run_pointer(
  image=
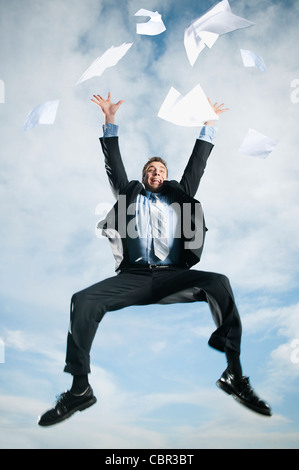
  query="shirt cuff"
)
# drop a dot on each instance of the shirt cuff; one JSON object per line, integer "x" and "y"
{"x": 207, "y": 133}
{"x": 110, "y": 130}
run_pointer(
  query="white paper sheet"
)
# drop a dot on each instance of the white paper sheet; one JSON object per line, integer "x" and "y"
{"x": 251, "y": 59}
{"x": 44, "y": 113}
{"x": 256, "y": 144}
{"x": 153, "y": 26}
{"x": 205, "y": 30}
{"x": 191, "y": 110}
{"x": 110, "y": 58}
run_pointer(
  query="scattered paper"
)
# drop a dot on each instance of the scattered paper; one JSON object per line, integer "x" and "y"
{"x": 251, "y": 59}
{"x": 204, "y": 31}
{"x": 110, "y": 58}
{"x": 257, "y": 145}
{"x": 191, "y": 110}
{"x": 153, "y": 26}
{"x": 44, "y": 113}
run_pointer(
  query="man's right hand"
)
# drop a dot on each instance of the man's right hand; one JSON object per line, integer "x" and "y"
{"x": 109, "y": 109}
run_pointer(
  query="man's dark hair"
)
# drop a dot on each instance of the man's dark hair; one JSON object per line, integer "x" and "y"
{"x": 153, "y": 159}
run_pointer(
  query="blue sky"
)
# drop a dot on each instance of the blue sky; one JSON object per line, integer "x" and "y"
{"x": 152, "y": 370}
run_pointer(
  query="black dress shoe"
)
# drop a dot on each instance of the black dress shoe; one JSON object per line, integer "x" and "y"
{"x": 66, "y": 405}
{"x": 241, "y": 390}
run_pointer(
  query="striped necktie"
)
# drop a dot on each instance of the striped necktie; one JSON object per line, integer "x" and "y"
{"x": 160, "y": 240}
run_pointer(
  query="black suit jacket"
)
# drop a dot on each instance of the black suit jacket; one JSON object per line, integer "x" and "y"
{"x": 192, "y": 229}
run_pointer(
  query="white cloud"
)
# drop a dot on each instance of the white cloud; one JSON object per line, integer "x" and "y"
{"x": 53, "y": 178}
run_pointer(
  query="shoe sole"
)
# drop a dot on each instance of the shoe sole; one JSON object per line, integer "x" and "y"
{"x": 81, "y": 407}
{"x": 227, "y": 389}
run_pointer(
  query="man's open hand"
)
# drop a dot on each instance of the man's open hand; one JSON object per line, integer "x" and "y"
{"x": 109, "y": 109}
{"x": 218, "y": 109}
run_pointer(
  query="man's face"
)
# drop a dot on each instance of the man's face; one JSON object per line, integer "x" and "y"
{"x": 154, "y": 176}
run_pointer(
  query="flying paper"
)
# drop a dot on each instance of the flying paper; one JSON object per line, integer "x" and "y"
{"x": 152, "y": 27}
{"x": 44, "y": 113}
{"x": 204, "y": 31}
{"x": 251, "y": 59}
{"x": 257, "y": 145}
{"x": 191, "y": 110}
{"x": 110, "y": 58}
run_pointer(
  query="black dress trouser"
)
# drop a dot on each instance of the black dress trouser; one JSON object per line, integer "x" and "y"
{"x": 143, "y": 286}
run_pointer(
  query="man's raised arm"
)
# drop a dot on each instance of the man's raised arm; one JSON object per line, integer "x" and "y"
{"x": 113, "y": 162}
{"x": 201, "y": 151}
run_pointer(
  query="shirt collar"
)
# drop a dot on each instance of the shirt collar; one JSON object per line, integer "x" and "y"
{"x": 151, "y": 195}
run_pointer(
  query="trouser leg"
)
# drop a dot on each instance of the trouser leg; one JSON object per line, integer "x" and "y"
{"x": 213, "y": 288}
{"x": 163, "y": 286}
{"x": 90, "y": 305}
{"x": 225, "y": 313}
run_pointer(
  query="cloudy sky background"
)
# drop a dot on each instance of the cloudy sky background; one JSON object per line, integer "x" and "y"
{"x": 152, "y": 370}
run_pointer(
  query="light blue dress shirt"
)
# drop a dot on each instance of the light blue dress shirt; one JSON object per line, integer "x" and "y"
{"x": 141, "y": 248}
{"x": 207, "y": 133}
